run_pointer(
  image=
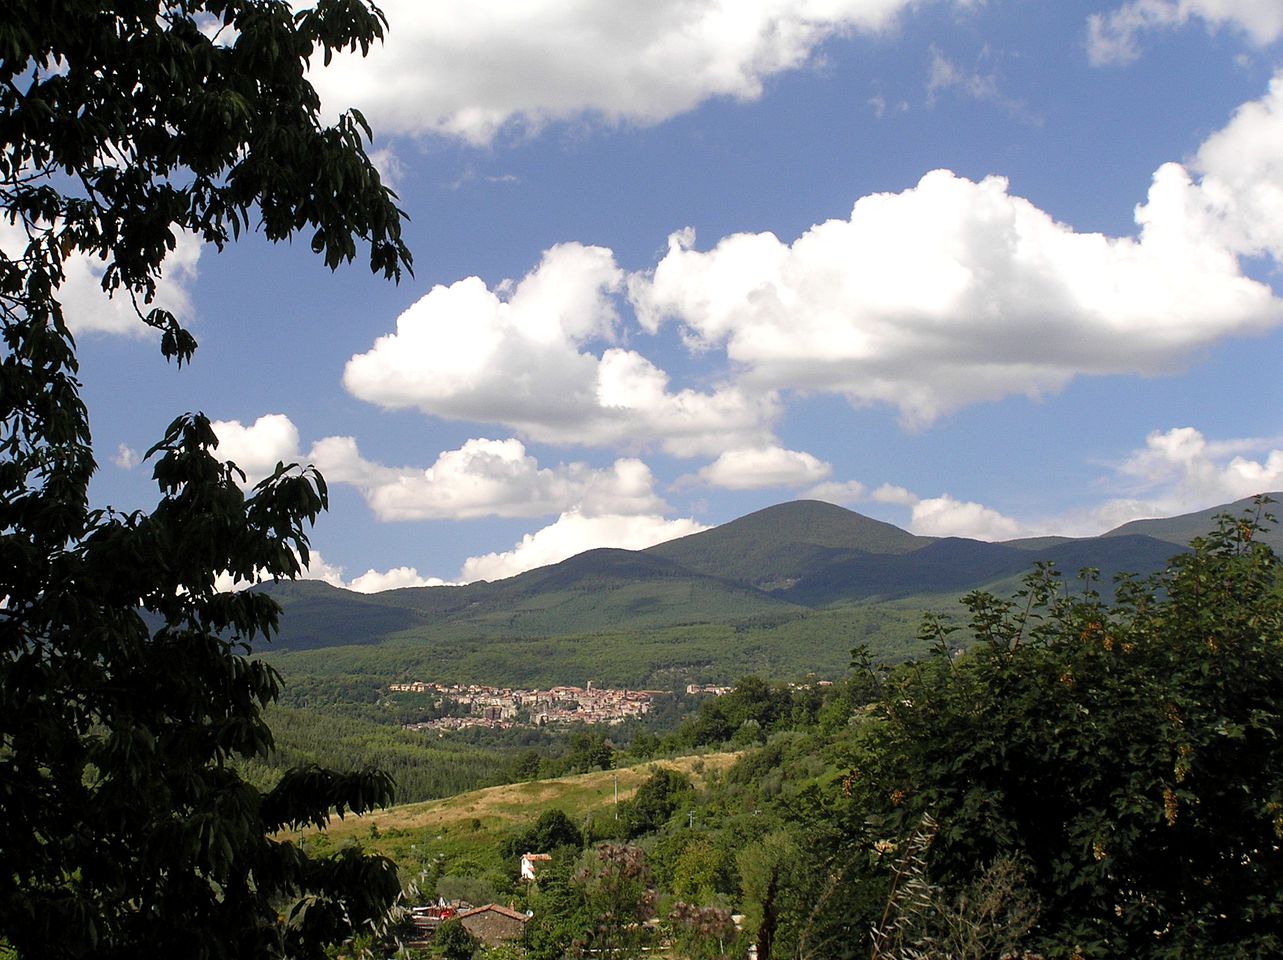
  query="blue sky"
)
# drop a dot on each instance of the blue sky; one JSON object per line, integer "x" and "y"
{"x": 985, "y": 268}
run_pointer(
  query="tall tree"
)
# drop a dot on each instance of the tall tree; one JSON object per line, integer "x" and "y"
{"x": 127, "y": 830}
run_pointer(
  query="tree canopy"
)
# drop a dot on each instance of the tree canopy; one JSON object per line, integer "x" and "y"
{"x": 1125, "y": 759}
{"x": 127, "y": 689}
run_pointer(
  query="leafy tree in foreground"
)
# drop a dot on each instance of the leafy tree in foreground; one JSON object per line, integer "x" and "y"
{"x": 615, "y": 883}
{"x": 126, "y": 830}
{"x": 453, "y": 941}
{"x": 553, "y": 829}
{"x": 1128, "y": 757}
{"x": 655, "y": 801}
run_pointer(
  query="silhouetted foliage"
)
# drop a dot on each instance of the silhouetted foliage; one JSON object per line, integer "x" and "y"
{"x": 127, "y": 830}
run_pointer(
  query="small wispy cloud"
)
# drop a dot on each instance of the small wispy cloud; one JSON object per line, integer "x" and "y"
{"x": 882, "y": 108}
{"x": 126, "y": 457}
{"x": 1113, "y": 38}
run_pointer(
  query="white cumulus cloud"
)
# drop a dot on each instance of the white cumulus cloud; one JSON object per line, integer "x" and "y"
{"x": 257, "y": 449}
{"x": 318, "y": 568}
{"x": 1180, "y": 469}
{"x": 495, "y": 478}
{"x": 470, "y": 69}
{"x": 756, "y": 468}
{"x": 843, "y": 493}
{"x": 849, "y": 492}
{"x": 374, "y": 581}
{"x": 949, "y": 293}
{"x": 955, "y": 292}
{"x": 518, "y": 356}
{"x": 1113, "y": 38}
{"x": 573, "y": 533}
{"x": 126, "y": 457}
{"x": 482, "y": 478}
{"x": 944, "y": 516}
{"x": 1241, "y": 186}
{"x": 1177, "y": 470}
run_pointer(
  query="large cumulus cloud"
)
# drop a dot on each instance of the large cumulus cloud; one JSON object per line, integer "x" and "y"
{"x": 573, "y": 533}
{"x": 495, "y": 478}
{"x": 949, "y": 293}
{"x": 954, "y": 292}
{"x": 468, "y": 69}
{"x": 523, "y": 356}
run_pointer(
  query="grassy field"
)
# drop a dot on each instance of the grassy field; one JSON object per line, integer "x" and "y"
{"x": 462, "y": 835}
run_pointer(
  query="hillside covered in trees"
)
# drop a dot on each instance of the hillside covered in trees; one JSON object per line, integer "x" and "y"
{"x": 777, "y": 565}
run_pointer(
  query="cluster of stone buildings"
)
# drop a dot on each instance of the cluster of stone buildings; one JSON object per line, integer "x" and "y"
{"x": 693, "y": 689}
{"x": 504, "y": 707}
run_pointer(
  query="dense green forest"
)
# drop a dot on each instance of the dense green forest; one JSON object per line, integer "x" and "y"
{"x": 420, "y": 769}
{"x": 353, "y": 732}
{"x": 788, "y": 646}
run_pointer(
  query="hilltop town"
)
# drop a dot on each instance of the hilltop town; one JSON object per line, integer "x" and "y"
{"x": 505, "y": 707}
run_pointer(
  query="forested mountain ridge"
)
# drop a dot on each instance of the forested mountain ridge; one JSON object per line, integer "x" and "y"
{"x": 787, "y": 542}
{"x": 597, "y": 590}
{"x": 1185, "y": 527}
{"x": 771, "y": 565}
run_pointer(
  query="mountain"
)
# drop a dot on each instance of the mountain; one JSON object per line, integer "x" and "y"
{"x": 1184, "y": 528}
{"x": 774, "y": 566}
{"x": 1110, "y": 557}
{"x": 786, "y": 543}
{"x": 315, "y": 614}
{"x": 600, "y": 590}
{"x": 954, "y": 565}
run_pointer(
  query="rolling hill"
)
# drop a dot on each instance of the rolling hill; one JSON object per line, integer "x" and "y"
{"x": 591, "y": 592}
{"x": 1184, "y": 528}
{"x": 787, "y": 542}
{"x": 769, "y": 567}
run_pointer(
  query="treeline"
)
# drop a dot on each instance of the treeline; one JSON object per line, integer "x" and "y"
{"x": 352, "y": 730}
{"x": 422, "y": 769}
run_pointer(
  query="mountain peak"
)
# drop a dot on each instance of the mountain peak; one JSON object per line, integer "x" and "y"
{"x": 782, "y": 543}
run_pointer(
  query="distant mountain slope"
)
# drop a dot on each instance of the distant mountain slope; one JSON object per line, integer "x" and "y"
{"x": 953, "y": 565}
{"x": 1184, "y": 528}
{"x": 1125, "y": 553}
{"x": 315, "y": 614}
{"x": 944, "y": 566}
{"x": 597, "y": 590}
{"x": 786, "y": 543}
{"x": 773, "y": 566}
